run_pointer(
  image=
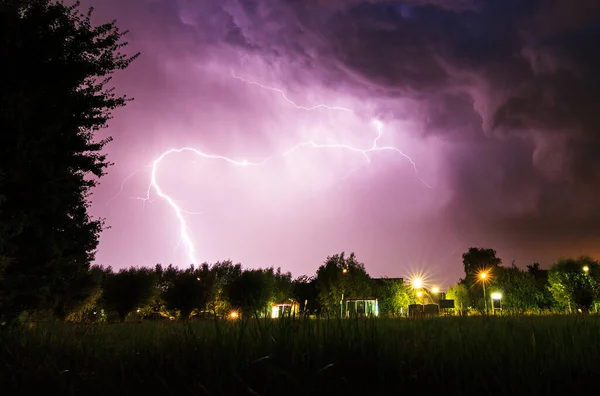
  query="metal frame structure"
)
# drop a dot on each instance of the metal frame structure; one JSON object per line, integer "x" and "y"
{"x": 285, "y": 309}
{"x": 351, "y": 307}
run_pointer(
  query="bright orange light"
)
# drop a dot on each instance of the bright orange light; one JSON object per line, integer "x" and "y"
{"x": 344, "y": 270}
{"x": 435, "y": 290}
{"x": 483, "y": 275}
{"x": 420, "y": 294}
{"x": 233, "y": 315}
{"x": 420, "y": 279}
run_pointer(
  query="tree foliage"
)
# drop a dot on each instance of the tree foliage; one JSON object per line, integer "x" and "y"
{"x": 394, "y": 297}
{"x": 518, "y": 288}
{"x": 251, "y": 291}
{"x": 127, "y": 290}
{"x": 460, "y": 294}
{"x": 186, "y": 290}
{"x": 283, "y": 287}
{"x": 544, "y": 298}
{"x": 222, "y": 274}
{"x": 304, "y": 290}
{"x": 341, "y": 276}
{"x": 475, "y": 262}
{"x": 573, "y": 286}
{"x": 56, "y": 98}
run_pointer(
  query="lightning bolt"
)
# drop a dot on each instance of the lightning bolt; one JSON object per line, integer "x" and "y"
{"x": 179, "y": 212}
{"x": 284, "y": 96}
{"x": 185, "y": 236}
{"x": 122, "y": 186}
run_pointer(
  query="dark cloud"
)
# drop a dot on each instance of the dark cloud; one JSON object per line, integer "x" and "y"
{"x": 514, "y": 84}
{"x": 511, "y": 87}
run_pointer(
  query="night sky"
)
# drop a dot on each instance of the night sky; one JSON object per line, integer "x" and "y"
{"x": 496, "y": 102}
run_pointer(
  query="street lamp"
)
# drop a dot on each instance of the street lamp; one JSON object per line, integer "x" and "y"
{"x": 586, "y": 269}
{"x": 483, "y": 276}
{"x": 344, "y": 271}
{"x": 420, "y": 295}
{"x": 417, "y": 283}
{"x": 435, "y": 290}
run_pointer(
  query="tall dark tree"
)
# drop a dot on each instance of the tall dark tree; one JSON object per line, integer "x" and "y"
{"x": 475, "y": 262}
{"x": 221, "y": 274}
{"x": 251, "y": 291}
{"x": 339, "y": 277}
{"x": 126, "y": 290}
{"x": 304, "y": 290}
{"x": 283, "y": 289}
{"x": 55, "y": 96}
{"x": 186, "y": 290}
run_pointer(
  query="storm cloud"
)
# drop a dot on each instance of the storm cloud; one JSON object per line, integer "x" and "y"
{"x": 505, "y": 92}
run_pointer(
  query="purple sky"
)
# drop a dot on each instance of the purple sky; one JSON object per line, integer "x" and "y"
{"x": 496, "y": 102}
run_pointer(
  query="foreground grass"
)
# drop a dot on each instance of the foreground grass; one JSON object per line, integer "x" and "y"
{"x": 462, "y": 356}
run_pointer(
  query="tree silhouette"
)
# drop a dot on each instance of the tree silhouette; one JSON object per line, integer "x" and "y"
{"x": 127, "y": 290}
{"x": 54, "y": 98}
{"x": 283, "y": 288}
{"x": 304, "y": 290}
{"x": 341, "y": 276}
{"x": 479, "y": 259}
{"x": 251, "y": 291}
{"x": 221, "y": 275}
{"x": 475, "y": 261}
{"x": 186, "y": 290}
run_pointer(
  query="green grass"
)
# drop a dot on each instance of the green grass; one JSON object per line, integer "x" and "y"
{"x": 452, "y": 356}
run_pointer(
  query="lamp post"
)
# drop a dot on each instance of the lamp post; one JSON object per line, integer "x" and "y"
{"x": 344, "y": 272}
{"x": 483, "y": 277}
{"x": 417, "y": 284}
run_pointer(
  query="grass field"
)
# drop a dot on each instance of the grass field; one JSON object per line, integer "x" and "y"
{"x": 453, "y": 356}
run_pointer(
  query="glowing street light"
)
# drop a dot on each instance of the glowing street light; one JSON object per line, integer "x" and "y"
{"x": 435, "y": 290}
{"x": 483, "y": 275}
{"x": 496, "y": 296}
{"x": 420, "y": 295}
{"x": 586, "y": 269}
{"x": 344, "y": 271}
{"x": 417, "y": 283}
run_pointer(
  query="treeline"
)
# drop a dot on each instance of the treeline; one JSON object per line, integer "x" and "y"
{"x": 569, "y": 285}
{"x": 225, "y": 288}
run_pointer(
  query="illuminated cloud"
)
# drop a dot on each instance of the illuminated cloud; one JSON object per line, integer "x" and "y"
{"x": 496, "y": 101}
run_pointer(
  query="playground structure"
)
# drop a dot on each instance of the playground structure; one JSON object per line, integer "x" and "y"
{"x": 359, "y": 307}
{"x": 284, "y": 309}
